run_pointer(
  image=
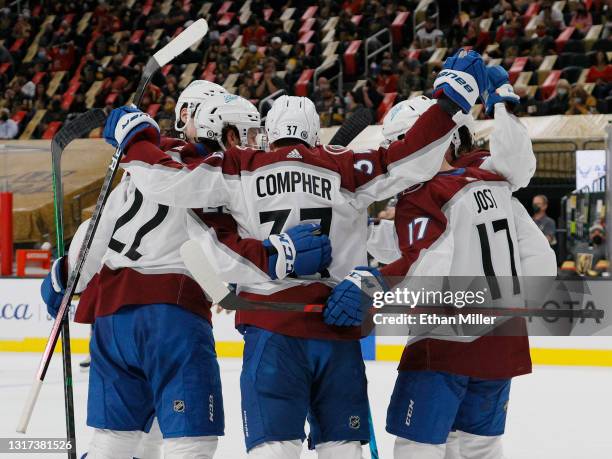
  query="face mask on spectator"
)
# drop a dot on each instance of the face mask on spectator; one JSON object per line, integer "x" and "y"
{"x": 578, "y": 100}
{"x": 597, "y": 239}
{"x": 4, "y": 117}
{"x": 535, "y": 208}
{"x": 347, "y": 100}
{"x": 252, "y": 48}
{"x": 562, "y": 91}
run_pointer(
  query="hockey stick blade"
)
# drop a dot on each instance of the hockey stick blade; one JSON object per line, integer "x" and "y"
{"x": 352, "y": 127}
{"x": 78, "y": 127}
{"x": 186, "y": 39}
{"x": 180, "y": 43}
{"x": 205, "y": 275}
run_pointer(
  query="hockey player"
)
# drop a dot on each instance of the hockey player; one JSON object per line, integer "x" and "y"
{"x": 443, "y": 385}
{"x": 152, "y": 347}
{"x": 510, "y": 155}
{"x": 190, "y": 98}
{"x": 295, "y": 365}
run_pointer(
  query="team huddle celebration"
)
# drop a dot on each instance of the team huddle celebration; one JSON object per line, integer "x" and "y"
{"x": 232, "y": 208}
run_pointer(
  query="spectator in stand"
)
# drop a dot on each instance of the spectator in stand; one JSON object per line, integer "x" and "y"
{"x": 601, "y": 70}
{"x": 595, "y": 247}
{"x": 5, "y": 56}
{"x": 247, "y": 87}
{"x": 270, "y": 83}
{"x": 581, "y": 19}
{"x": 8, "y": 127}
{"x": 551, "y": 17}
{"x": 371, "y": 96}
{"x": 581, "y": 102}
{"x": 410, "y": 79}
{"x": 176, "y": 17}
{"x": 428, "y": 37}
{"x": 350, "y": 104}
{"x": 22, "y": 28}
{"x": 254, "y": 33}
{"x": 276, "y": 52}
{"x": 544, "y": 222}
{"x": 455, "y": 34}
{"x": 250, "y": 59}
{"x": 542, "y": 45}
{"x": 386, "y": 81}
{"x": 332, "y": 113}
{"x": 62, "y": 57}
{"x": 379, "y": 22}
{"x": 345, "y": 28}
{"x": 558, "y": 104}
{"x": 41, "y": 99}
{"x": 318, "y": 95}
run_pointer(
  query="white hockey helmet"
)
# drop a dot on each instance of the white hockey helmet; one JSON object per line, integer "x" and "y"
{"x": 293, "y": 117}
{"x": 402, "y": 116}
{"x": 219, "y": 111}
{"x": 195, "y": 93}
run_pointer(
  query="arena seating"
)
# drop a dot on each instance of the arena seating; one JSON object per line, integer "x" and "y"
{"x": 91, "y": 57}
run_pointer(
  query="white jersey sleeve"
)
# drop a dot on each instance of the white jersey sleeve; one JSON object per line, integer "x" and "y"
{"x": 511, "y": 151}
{"x": 93, "y": 263}
{"x": 536, "y": 256}
{"x": 231, "y": 262}
{"x": 382, "y": 242}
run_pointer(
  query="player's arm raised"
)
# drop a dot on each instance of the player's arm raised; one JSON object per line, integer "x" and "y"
{"x": 208, "y": 183}
{"x": 417, "y": 157}
{"x": 511, "y": 152}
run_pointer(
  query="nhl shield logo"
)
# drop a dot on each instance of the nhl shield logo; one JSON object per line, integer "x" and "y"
{"x": 179, "y": 406}
{"x": 354, "y": 422}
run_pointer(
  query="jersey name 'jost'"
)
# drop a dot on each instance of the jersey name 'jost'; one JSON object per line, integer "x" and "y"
{"x": 292, "y": 182}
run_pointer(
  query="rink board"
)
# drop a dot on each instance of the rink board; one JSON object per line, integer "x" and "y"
{"x": 25, "y": 326}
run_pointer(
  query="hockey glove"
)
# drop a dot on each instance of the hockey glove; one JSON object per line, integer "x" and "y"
{"x": 302, "y": 250}
{"x": 463, "y": 79}
{"x": 500, "y": 90}
{"x": 350, "y": 299}
{"x": 125, "y": 122}
{"x": 53, "y": 288}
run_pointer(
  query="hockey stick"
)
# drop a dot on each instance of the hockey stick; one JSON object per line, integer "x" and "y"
{"x": 194, "y": 33}
{"x": 205, "y": 275}
{"x": 352, "y": 127}
{"x": 74, "y": 129}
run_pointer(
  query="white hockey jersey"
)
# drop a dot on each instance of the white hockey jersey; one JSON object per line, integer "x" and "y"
{"x": 268, "y": 192}
{"x": 135, "y": 259}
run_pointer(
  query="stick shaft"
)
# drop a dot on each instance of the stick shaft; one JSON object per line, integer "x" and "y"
{"x": 179, "y": 44}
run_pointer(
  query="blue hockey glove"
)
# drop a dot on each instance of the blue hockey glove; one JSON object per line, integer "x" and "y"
{"x": 350, "y": 299}
{"x": 463, "y": 79}
{"x": 300, "y": 251}
{"x": 53, "y": 288}
{"x": 500, "y": 89}
{"x": 125, "y": 122}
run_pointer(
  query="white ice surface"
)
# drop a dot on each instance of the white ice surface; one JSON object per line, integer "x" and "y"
{"x": 555, "y": 413}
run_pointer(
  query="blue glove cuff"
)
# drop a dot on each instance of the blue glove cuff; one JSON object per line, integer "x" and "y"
{"x": 282, "y": 263}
